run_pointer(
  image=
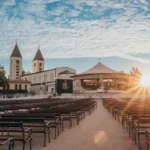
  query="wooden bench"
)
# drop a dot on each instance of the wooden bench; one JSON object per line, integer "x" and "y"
{"x": 132, "y": 119}
{"x": 24, "y": 134}
{"x": 55, "y": 120}
{"x": 140, "y": 128}
{"x": 147, "y": 138}
{"x": 37, "y": 124}
{"x": 7, "y": 141}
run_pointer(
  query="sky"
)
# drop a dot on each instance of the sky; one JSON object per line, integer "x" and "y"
{"x": 76, "y": 33}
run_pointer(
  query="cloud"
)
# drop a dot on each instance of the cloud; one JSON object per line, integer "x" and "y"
{"x": 9, "y": 3}
{"x": 68, "y": 28}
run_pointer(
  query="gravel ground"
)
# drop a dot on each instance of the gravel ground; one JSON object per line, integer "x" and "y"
{"x": 99, "y": 131}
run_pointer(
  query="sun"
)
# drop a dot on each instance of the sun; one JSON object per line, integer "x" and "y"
{"x": 145, "y": 80}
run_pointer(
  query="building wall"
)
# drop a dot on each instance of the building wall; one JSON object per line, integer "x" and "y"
{"x": 13, "y": 85}
{"x": 65, "y": 76}
{"x": 61, "y": 69}
{"x": 15, "y": 67}
{"x": 40, "y": 77}
{"x": 77, "y": 86}
{"x": 37, "y": 66}
{"x": 46, "y": 79}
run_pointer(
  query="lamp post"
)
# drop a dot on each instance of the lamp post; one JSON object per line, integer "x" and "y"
{"x": 41, "y": 88}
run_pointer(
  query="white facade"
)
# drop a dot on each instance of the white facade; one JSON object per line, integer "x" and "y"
{"x": 45, "y": 80}
{"x": 19, "y": 85}
{"x": 15, "y": 67}
{"x": 37, "y": 66}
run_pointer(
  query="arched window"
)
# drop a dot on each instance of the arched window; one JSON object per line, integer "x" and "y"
{"x": 25, "y": 87}
{"x": 34, "y": 79}
{"x": 39, "y": 78}
{"x": 52, "y": 76}
{"x": 17, "y": 61}
{"x": 45, "y": 77}
{"x": 34, "y": 64}
{"x": 19, "y": 86}
{"x": 8, "y": 87}
{"x": 40, "y": 64}
{"x": 15, "y": 86}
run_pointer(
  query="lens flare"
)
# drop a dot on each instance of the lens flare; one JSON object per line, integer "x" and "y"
{"x": 145, "y": 80}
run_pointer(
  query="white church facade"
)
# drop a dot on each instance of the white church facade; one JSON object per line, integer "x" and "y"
{"x": 40, "y": 79}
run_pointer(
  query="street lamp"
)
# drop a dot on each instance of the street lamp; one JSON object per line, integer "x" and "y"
{"x": 41, "y": 88}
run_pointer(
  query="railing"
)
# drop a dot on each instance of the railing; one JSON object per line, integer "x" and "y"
{"x": 119, "y": 96}
{"x": 20, "y": 97}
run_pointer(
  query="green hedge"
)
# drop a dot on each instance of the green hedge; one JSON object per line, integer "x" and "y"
{"x": 13, "y": 91}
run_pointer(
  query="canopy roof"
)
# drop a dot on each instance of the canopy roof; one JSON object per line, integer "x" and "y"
{"x": 98, "y": 69}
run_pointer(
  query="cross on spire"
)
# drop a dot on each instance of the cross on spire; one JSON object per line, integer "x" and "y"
{"x": 99, "y": 59}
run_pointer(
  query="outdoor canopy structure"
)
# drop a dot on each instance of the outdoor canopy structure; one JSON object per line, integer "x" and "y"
{"x": 100, "y": 77}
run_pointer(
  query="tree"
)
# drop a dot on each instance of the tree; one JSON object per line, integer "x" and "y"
{"x": 135, "y": 72}
{"x": 3, "y": 79}
{"x": 23, "y": 72}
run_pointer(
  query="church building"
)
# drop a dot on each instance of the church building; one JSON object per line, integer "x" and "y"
{"x": 15, "y": 71}
{"x": 39, "y": 80}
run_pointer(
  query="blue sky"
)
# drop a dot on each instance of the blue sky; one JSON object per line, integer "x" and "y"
{"x": 117, "y": 31}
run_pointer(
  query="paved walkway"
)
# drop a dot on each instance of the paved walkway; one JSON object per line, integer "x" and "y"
{"x": 99, "y": 131}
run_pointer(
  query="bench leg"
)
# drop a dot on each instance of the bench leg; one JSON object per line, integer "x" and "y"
{"x": 139, "y": 141}
{"x": 134, "y": 137}
{"x": 11, "y": 145}
{"x": 129, "y": 130}
{"x": 132, "y": 132}
{"x": 44, "y": 140}
{"x": 55, "y": 132}
{"x": 78, "y": 120}
{"x": 70, "y": 123}
{"x": 57, "y": 129}
{"x": 62, "y": 125}
{"x": 147, "y": 146}
{"x": 23, "y": 146}
{"x": 49, "y": 140}
{"x": 30, "y": 142}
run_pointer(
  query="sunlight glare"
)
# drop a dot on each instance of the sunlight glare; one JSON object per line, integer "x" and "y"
{"x": 145, "y": 80}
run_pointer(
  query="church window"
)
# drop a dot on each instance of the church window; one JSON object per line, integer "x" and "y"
{"x": 25, "y": 87}
{"x": 45, "y": 77}
{"x": 17, "y": 61}
{"x": 15, "y": 86}
{"x": 40, "y": 64}
{"x": 52, "y": 76}
{"x": 34, "y": 79}
{"x": 19, "y": 86}
{"x": 34, "y": 64}
{"x": 39, "y": 78}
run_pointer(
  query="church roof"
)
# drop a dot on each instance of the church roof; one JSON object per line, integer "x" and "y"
{"x": 66, "y": 72}
{"x": 16, "y": 52}
{"x": 18, "y": 81}
{"x": 38, "y": 55}
{"x": 99, "y": 68}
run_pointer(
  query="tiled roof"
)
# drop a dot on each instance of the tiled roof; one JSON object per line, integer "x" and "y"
{"x": 38, "y": 55}
{"x": 66, "y": 72}
{"x": 19, "y": 81}
{"x": 99, "y": 68}
{"x": 16, "y": 52}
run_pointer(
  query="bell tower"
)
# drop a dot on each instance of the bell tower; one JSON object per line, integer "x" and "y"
{"x": 15, "y": 70}
{"x": 38, "y": 62}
